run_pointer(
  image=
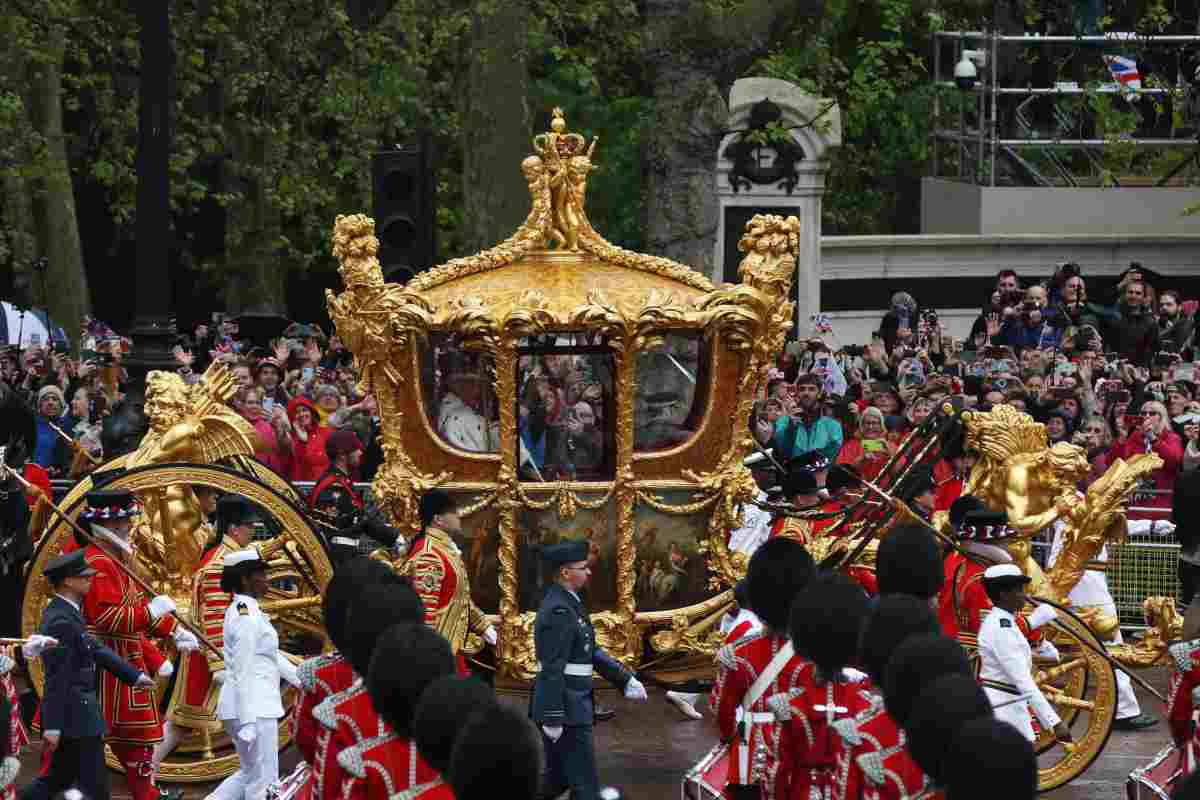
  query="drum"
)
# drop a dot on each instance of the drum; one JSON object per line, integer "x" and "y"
{"x": 1159, "y": 779}
{"x": 288, "y": 788}
{"x": 706, "y": 780}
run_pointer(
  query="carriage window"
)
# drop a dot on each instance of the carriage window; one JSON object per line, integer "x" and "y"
{"x": 460, "y": 396}
{"x": 668, "y": 406}
{"x": 565, "y": 410}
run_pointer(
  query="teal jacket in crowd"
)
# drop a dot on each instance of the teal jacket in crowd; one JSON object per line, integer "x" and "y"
{"x": 825, "y": 436}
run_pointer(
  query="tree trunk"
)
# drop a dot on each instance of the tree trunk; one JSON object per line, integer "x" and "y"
{"x": 496, "y": 125}
{"x": 65, "y": 293}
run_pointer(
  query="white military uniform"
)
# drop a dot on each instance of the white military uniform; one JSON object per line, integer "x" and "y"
{"x": 1092, "y": 591}
{"x": 251, "y": 696}
{"x": 463, "y": 426}
{"x": 756, "y": 528}
{"x": 1006, "y": 663}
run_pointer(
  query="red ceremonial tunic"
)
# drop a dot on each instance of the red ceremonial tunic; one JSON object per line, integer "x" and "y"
{"x": 17, "y": 738}
{"x": 382, "y": 767}
{"x": 118, "y": 613}
{"x": 320, "y": 678}
{"x": 195, "y": 701}
{"x": 878, "y": 766}
{"x": 963, "y": 602}
{"x": 1185, "y": 678}
{"x": 434, "y": 790}
{"x": 349, "y": 718}
{"x": 815, "y": 726}
{"x": 738, "y": 666}
{"x": 438, "y": 574}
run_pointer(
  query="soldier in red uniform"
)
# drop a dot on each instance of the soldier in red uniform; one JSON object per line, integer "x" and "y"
{"x": 445, "y": 707}
{"x": 777, "y": 572}
{"x": 12, "y": 734}
{"x": 345, "y": 452}
{"x": 349, "y": 715}
{"x": 436, "y": 568}
{"x": 331, "y": 673}
{"x": 964, "y": 602}
{"x": 201, "y": 673}
{"x": 815, "y": 719}
{"x": 498, "y": 754}
{"x": 801, "y": 490}
{"x": 1181, "y": 706}
{"x": 878, "y": 766}
{"x": 407, "y": 659}
{"x": 123, "y": 619}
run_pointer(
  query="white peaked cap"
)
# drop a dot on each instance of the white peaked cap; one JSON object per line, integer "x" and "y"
{"x": 241, "y": 556}
{"x": 1003, "y": 571}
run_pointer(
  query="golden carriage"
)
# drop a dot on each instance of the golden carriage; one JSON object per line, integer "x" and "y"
{"x": 584, "y": 391}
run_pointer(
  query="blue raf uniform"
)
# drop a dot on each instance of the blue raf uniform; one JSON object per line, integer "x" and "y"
{"x": 69, "y": 703}
{"x": 562, "y": 691}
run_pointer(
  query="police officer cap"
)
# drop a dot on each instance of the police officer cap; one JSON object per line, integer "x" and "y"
{"x": 567, "y": 552}
{"x": 68, "y": 566}
{"x": 233, "y": 509}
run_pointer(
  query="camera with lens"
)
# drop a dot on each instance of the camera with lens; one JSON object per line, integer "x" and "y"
{"x": 929, "y": 317}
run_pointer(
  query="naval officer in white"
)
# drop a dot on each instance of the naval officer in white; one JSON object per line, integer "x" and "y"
{"x": 251, "y": 703}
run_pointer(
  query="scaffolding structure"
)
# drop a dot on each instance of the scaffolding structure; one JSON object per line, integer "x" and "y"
{"x": 980, "y": 140}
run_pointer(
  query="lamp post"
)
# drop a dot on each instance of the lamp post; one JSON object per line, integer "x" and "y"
{"x": 153, "y": 330}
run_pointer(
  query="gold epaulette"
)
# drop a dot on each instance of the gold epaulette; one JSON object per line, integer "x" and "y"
{"x": 796, "y": 528}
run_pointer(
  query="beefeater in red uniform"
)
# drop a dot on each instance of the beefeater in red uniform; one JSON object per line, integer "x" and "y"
{"x": 121, "y": 617}
{"x": 436, "y": 567}
{"x": 407, "y": 659}
{"x": 777, "y": 572}
{"x": 349, "y": 716}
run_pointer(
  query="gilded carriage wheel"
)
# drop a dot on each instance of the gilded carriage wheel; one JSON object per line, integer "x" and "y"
{"x": 1083, "y": 689}
{"x": 298, "y": 576}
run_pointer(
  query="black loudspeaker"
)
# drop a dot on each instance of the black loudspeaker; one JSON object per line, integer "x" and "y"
{"x": 404, "y": 206}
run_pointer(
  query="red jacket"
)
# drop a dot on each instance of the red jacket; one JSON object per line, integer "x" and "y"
{"x": 309, "y": 460}
{"x": 1169, "y": 447}
{"x": 1184, "y": 679}
{"x": 382, "y": 768}
{"x": 810, "y": 747}
{"x": 738, "y": 666}
{"x": 349, "y": 718}
{"x": 320, "y": 678}
{"x": 879, "y": 766}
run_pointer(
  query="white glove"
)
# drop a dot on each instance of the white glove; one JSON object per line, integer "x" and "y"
{"x": 1041, "y": 615}
{"x": 248, "y": 733}
{"x": 553, "y": 731}
{"x": 854, "y": 676}
{"x": 161, "y": 605}
{"x": 144, "y": 681}
{"x": 36, "y": 644}
{"x": 166, "y": 670}
{"x": 634, "y": 690}
{"x": 1162, "y": 527}
{"x": 489, "y": 635}
{"x": 1048, "y": 651}
{"x": 185, "y": 640}
{"x": 218, "y": 677}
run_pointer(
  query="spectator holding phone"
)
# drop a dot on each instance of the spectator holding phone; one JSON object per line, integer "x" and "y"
{"x": 1190, "y": 424}
{"x": 272, "y": 426}
{"x": 869, "y": 449}
{"x": 1174, "y": 326}
{"x": 51, "y": 451}
{"x": 1150, "y": 431}
{"x": 805, "y": 430}
{"x": 899, "y": 323}
{"x": 268, "y": 375}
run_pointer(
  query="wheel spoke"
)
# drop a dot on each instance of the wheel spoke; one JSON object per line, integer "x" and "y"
{"x": 1059, "y": 699}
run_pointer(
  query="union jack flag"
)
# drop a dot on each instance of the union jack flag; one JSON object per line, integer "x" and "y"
{"x": 1124, "y": 71}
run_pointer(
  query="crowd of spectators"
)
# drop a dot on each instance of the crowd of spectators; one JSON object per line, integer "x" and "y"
{"x": 1115, "y": 379}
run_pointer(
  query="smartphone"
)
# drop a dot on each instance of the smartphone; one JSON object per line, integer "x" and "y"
{"x": 306, "y": 374}
{"x": 873, "y": 445}
{"x": 268, "y": 405}
{"x": 1184, "y": 372}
